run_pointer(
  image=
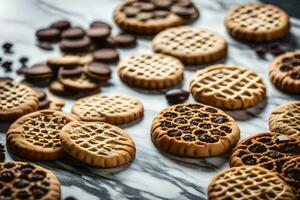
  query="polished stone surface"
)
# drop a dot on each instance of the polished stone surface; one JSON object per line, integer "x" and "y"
{"x": 153, "y": 174}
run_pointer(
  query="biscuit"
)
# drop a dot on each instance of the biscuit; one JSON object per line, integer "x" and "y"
{"x": 16, "y": 100}
{"x": 227, "y": 87}
{"x": 70, "y": 59}
{"x": 36, "y": 135}
{"x": 257, "y": 22}
{"x": 55, "y": 103}
{"x": 284, "y": 72}
{"x": 248, "y": 182}
{"x": 98, "y": 71}
{"x": 151, "y": 71}
{"x": 113, "y": 109}
{"x": 290, "y": 172}
{"x": 191, "y": 45}
{"x": 154, "y": 16}
{"x": 285, "y": 119}
{"x": 22, "y": 180}
{"x": 98, "y": 143}
{"x": 194, "y": 130}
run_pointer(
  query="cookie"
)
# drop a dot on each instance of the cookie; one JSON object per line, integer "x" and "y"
{"x": 55, "y": 103}
{"x": 290, "y": 172}
{"x": 36, "y": 135}
{"x": 285, "y": 119}
{"x": 38, "y": 72}
{"x": 98, "y": 71}
{"x": 16, "y": 100}
{"x": 227, "y": 87}
{"x": 191, "y": 45}
{"x": 106, "y": 55}
{"x": 98, "y": 143}
{"x": 23, "y": 180}
{"x": 257, "y": 22}
{"x": 194, "y": 130}
{"x": 113, "y": 109}
{"x": 248, "y": 182}
{"x": 151, "y": 71}
{"x": 79, "y": 45}
{"x": 70, "y": 60}
{"x": 154, "y": 16}
{"x": 284, "y": 72}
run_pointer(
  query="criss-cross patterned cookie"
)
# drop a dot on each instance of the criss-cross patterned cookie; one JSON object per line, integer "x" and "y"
{"x": 191, "y": 45}
{"x": 113, "y": 109}
{"x": 22, "y": 180}
{"x": 153, "y": 16}
{"x": 257, "y": 22}
{"x": 227, "y": 87}
{"x": 151, "y": 71}
{"x": 194, "y": 130}
{"x": 16, "y": 100}
{"x": 248, "y": 182}
{"x": 291, "y": 172}
{"x": 98, "y": 143}
{"x": 284, "y": 72}
{"x": 285, "y": 119}
{"x": 36, "y": 135}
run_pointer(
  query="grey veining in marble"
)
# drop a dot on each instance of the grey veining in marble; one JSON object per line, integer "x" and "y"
{"x": 153, "y": 174}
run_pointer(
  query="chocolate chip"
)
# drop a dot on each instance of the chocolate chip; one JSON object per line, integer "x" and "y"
{"x": 194, "y": 106}
{"x": 38, "y": 176}
{"x": 211, "y": 110}
{"x": 188, "y": 138}
{"x": 23, "y": 195}
{"x": 45, "y": 45}
{"x": 180, "y": 109}
{"x": 48, "y": 34}
{"x": 274, "y": 154}
{"x": 7, "y": 176}
{"x": 203, "y": 115}
{"x": 124, "y": 40}
{"x": 7, "y": 47}
{"x": 174, "y": 133}
{"x": 107, "y": 55}
{"x": 7, "y": 64}
{"x": 249, "y": 160}
{"x": 207, "y": 139}
{"x": 180, "y": 121}
{"x": 99, "y": 69}
{"x": 199, "y": 132}
{"x": 131, "y": 11}
{"x": 295, "y": 75}
{"x": 98, "y": 33}
{"x": 75, "y": 45}
{"x": 267, "y": 141}
{"x": 284, "y": 68}
{"x": 7, "y": 192}
{"x": 257, "y": 148}
{"x": 100, "y": 24}
{"x": 183, "y": 11}
{"x": 70, "y": 72}
{"x": 170, "y": 115}
{"x": 61, "y": 24}
{"x": 226, "y": 129}
{"x": 287, "y": 60}
{"x": 290, "y": 148}
{"x": 23, "y": 60}
{"x": 145, "y": 16}
{"x": 167, "y": 124}
{"x": 177, "y": 96}
{"x": 162, "y": 4}
{"x": 9, "y": 165}
{"x": 21, "y": 183}
{"x": 195, "y": 122}
{"x": 38, "y": 192}
{"x": 268, "y": 166}
{"x": 220, "y": 119}
{"x": 217, "y": 132}
{"x": 73, "y": 33}
{"x": 282, "y": 138}
{"x": 260, "y": 51}
{"x": 205, "y": 126}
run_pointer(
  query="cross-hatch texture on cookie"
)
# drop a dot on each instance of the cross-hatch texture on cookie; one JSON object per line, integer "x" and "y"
{"x": 246, "y": 183}
{"x": 290, "y": 65}
{"x": 99, "y": 139}
{"x": 12, "y": 95}
{"x": 291, "y": 171}
{"x": 291, "y": 118}
{"x": 99, "y": 106}
{"x": 257, "y": 17}
{"x": 265, "y": 150}
{"x": 152, "y": 66}
{"x": 195, "y": 123}
{"x": 43, "y": 130}
{"x": 228, "y": 82}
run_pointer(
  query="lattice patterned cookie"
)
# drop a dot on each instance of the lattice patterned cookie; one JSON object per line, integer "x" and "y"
{"x": 248, "y": 182}
{"x": 284, "y": 72}
{"x": 291, "y": 174}
{"x": 194, "y": 130}
{"x": 36, "y": 135}
{"x": 228, "y": 87}
{"x": 285, "y": 119}
{"x": 191, "y": 45}
{"x": 151, "y": 71}
{"x": 98, "y": 143}
{"x": 113, "y": 109}
{"x": 21, "y": 180}
{"x": 16, "y": 100}
{"x": 154, "y": 16}
{"x": 257, "y": 22}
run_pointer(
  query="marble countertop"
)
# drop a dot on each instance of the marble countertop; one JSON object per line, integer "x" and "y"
{"x": 153, "y": 174}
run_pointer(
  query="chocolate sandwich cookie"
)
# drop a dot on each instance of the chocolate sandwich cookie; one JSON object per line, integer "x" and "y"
{"x": 73, "y": 33}
{"x": 98, "y": 71}
{"x": 83, "y": 44}
{"x": 98, "y": 33}
{"x": 124, "y": 40}
{"x": 38, "y": 72}
{"x": 48, "y": 34}
{"x": 100, "y": 24}
{"x": 61, "y": 24}
{"x": 106, "y": 55}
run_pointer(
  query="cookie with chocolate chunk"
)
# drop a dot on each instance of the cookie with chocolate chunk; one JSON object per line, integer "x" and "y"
{"x": 150, "y": 17}
{"x": 291, "y": 172}
{"x": 194, "y": 130}
{"x": 22, "y": 180}
{"x": 284, "y": 72}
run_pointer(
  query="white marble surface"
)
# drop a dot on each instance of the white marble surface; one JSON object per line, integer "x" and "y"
{"x": 153, "y": 174}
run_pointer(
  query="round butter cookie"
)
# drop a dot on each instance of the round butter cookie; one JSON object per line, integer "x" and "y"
{"x": 194, "y": 130}
{"x": 227, "y": 87}
{"x": 151, "y": 71}
{"x": 257, "y": 22}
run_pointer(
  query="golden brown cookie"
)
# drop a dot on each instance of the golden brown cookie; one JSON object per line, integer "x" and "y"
{"x": 257, "y": 22}
{"x": 151, "y": 71}
{"x": 290, "y": 172}
{"x": 22, "y": 180}
{"x": 98, "y": 143}
{"x": 36, "y": 135}
{"x": 191, "y": 45}
{"x": 16, "y": 99}
{"x": 113, "y": 109}
{"x": 194, "y": 130}
{"x": 70, "y": 59}
{"x": 55, "y": 103}
{"x": 154, "y": 16}
{"x": 248, "y": 182}
{"x": 227, "y": 87}
{"x": 284, "y": 72}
